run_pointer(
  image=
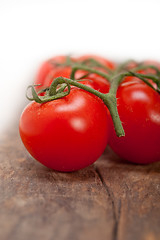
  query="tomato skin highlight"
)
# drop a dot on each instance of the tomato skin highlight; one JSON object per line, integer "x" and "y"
{"x": 66, "y": 134}
{"x": 139, "y": 111}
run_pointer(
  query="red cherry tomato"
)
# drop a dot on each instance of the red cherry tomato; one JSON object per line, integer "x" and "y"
{"x": 150, "y": 70}
{"x": 92, "y": 80}
{"x": 49, "y": 71}
{"x": 131, "y": 65}
{"x": 66, "y": 134}
{"x": 54, "y": 73}
{"x": 130, "y": 79}
{"x": 57, "y": 72}
{"x": 102, "y": 84}
{"x": 145, "y": 63}
{"x": 139, "y": 110}
{"x": 48, "y": 66}
{"x": 99, "y": 59}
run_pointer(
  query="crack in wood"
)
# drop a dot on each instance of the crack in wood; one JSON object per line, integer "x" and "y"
{"x": 116, "y": 216}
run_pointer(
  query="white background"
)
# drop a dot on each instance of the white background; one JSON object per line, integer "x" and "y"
{"x": 34, "y": 30}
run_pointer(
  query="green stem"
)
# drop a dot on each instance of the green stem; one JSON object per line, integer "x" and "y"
{"x": 96, "y": 63}
{"x": 116, "y": 82}
{"x": 111, "y": 102}
{"x": 88, "y": 69}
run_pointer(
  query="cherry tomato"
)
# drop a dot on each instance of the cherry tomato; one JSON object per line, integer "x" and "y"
{"x": 150, "y": 70}
{"x": 57, "y": 72}
{"x": 49, "y": 70}
{"x": 66, "y": 134}
{"x": 92, "y": 80}
{"x": 102, "y": 83}
{"x": 99, "y": 59}
{"x": 131, "y": 65}
{"x": 139, "y": 110}
{"x": 48, "y": 66}
{"x": 145, "y": 63}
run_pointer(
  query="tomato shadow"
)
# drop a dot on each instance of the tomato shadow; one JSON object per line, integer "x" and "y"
{"x": 40, "y": 172}
{"x": 109, "y": 158}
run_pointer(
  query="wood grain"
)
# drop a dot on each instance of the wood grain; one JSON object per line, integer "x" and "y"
{"x": 110, "y": 200}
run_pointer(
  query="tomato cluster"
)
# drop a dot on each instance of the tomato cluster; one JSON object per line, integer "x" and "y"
{"x": 71, "y": 132}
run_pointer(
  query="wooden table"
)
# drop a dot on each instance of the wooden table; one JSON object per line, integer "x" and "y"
{"x": 110, "y": 200}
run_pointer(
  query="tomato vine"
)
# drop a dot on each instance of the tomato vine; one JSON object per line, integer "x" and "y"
{"x": 109, "y": 99}
{"x": 95, "y": 102}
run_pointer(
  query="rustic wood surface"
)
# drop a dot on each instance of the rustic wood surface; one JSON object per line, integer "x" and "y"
{"x": 110, "y": 200}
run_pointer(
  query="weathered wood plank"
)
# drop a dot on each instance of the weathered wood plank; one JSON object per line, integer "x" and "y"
{"x": 135, "y": 194}
{"x": 110, "y": 200}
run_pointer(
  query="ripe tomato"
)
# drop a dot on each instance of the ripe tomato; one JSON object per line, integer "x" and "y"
{"x": 49, "y": 70}
{"x": 92, "y": 80}
{"x": 57, "y": 72}
{"x": 66, "y": 134}
{"x": 150, "y": 70}
{"x": 139, "y": 110}
{"x": 99, "y": 59}
{"x": 48, "y": 66}
{"x": 147, "y": 70}
{"x": 102, "y": 83}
